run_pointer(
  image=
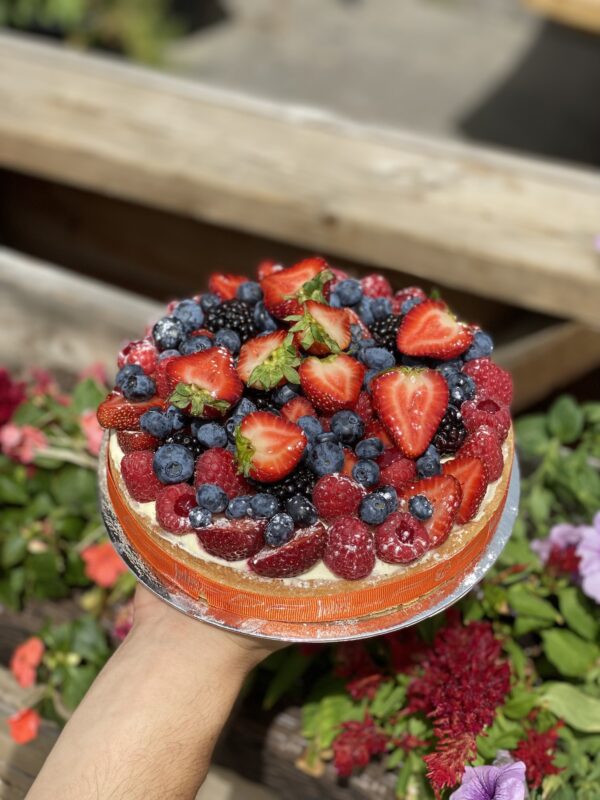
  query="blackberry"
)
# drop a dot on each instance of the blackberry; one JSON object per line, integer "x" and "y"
{"x": 451, "y": 432}
{"x": 301, "y": 481}
{"x": 188, "y": 441}
{"x": 233, "y": 315}
{"x": 384, "y": 331}
{"x": 262, "y": 401}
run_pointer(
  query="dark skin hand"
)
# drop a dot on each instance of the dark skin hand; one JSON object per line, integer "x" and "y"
{"x": 147, "y": 727}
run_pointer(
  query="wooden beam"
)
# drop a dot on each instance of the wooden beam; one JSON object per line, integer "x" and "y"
{"x": 503, "y": 227}
{"x": 584, "y": 14}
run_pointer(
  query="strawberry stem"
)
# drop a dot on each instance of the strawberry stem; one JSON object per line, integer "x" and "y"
{"x": 187, "y": 395}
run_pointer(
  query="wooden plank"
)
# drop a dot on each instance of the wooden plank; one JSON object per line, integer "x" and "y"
{"x": 502, "y": 227}
{"x": 583, "y": 14}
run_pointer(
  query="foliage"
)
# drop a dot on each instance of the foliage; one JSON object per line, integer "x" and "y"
{"x": 138, "y": 28}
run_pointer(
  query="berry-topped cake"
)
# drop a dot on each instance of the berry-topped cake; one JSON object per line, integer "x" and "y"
{"x": 308, "y": 447}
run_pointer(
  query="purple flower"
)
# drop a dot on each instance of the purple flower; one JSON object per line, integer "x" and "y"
{"x": 561, "y": 536}
{"x": 505, "y": 782}
{"x": 588, "y": 550}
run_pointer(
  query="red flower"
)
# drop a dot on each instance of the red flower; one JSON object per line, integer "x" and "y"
{"x": 563, "y": 560}
{"x": 352, "y": 660}
{"x": 463, "y": 683}
{"x": 406, "y": 649}
{"x": 356, "y": 744}
{"x": 24, "y": 725}
{"x": 25, "y": 660}
{"x": 21, "y": 443}
{"x": 12, "y": 395}
{"x": 102, "y": 564}
{"x": 537, "y": 751}
{"x": 92, "y": 431}
{"x": 364, "y": 687}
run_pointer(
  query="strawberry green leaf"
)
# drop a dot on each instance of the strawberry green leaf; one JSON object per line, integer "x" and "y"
{"x": 311, "y": 331}
{"x": 313, "y": 289}
{"x": 275, "y": 368}
{"x": 196, "y": 399}
{"x": 244, "y": 451}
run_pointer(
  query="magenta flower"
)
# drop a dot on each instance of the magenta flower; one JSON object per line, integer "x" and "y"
{"x": 506, "y": 782}
{"x": 588, "y": 550}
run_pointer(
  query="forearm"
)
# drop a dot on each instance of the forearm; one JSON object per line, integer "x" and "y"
{"x": 147, "y": 727}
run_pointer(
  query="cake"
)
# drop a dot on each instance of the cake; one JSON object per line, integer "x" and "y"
{"x": 308, "y": 447}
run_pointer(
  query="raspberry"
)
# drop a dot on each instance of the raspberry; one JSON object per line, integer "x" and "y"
{"x": 350, "y": 549}
{"x": 398, "y": 473}
{"x": 340, "y": 276}
{"x": 389, "y": 457}
{"x": 484, "y": 411}
{"x": 363, "y": 407}
{"x": 173, "y": 506}
{"x": 484, "y": 444}
{"x": 493, "y": 382}
{"x": 140, "y": 480}
{"x": 218, "y": 466}
{"x": 406, "y": 294}
{"x": 233, "y": 541}
{"x": 401, "y": 539}
{"x": 130, "y": 441}
{"x": 336, "y": 495}
{"x": 297, "y": 556}
{"x": 376, "y": 286}
{"x": 375, "y": 428}
{"x": 140, "y": 352}
{"x": 160, "y": 377}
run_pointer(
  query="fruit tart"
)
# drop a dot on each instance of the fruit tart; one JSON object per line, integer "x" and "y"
{"x": 307, "y": 447}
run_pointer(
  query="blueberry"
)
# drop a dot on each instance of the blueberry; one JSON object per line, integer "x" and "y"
{"x": 249, "y": 292}
{"x": 238, "y": 507}
{"x": 212, "y": 497}
{"x": 369, "y": 448}
{"x": 390, "y": 495}
{"x": 420, "y": 507}
{"x": 326, "y": 436}
{"x": 279, "y": 530}
{"x": 462, "y": 387}
{"x": 262, "y": 319}
{"x": 156, "y": 423}
{"x": 369, "y": 375}
{"x": 195, "y": 344}
{"x": 481, "y": 346}
{"x": 373, "y": 509}
{"x": 167, "y": 333}
{"x": 301, "y": 510}
{"x": 285, "y": 393}
{"x": 199, "y": 517}
{"x": 126, "y": 372}
{"x": 228, "y": 339}
{"x": 450, "y": 368}
{"x": 212, "y": 435}
{"x": 409, "y": 303}
{"x": 176, "y": 417}
{"x": 173, "y": 463}
{"x": 349, "y": 292}
{"x": 365, "y": 312}
{"x": 347, "y": 426}
{"x": 264, "y": 505}
{"x": 138, "y": 387}
{"x": 311, "y": 427}
{"x": 429, "y": 463}
{"x": 230, "y": 427}
{"x": 168, "y": 354}
{"x": 189, "y": 313}
{"x": 334, "y": 300}
{"x": 243, "y": 408}
{"x": 381, "y": 307}
{"x": 366, "y": 472}
{"x": 209, "y": 300}
{"x": 326, "y": 458}
{"x": 377, "y": 358}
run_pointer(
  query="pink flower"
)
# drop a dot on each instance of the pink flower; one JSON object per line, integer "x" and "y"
{"x": 43, "y": 382}
{"x": 588, "y": 551}
{"x": 92, "y": 431}
{"x": 505, "y": 782}
{"x": 24, "y": 725}
{"x": 102, "y": 564}
{"x": 96, "y": 371}
{"x": 21, "y": 443}
{"x": 12, "y": 395}
{"x": 25, "y": 660}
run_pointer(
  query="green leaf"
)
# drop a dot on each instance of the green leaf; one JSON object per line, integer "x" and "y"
{"x": 570, "y": 654}
{"x": 565, "y": 419}
{"x": 75, "y": 488}
{"x": 321, "y": 720}
{"x": 89, "y": 640}
{"x": 12, "y": 492}
{"x": 389, "y": 698}
{"x": 76, "y": 683}
{"x": 516, "y": 655}
{"x": 87, "y": 396}
{"x": 577, "y": 709}
{"x": 532, "y": 435}
{"x": 14, "y": 550}
{"x": 524, "y": 601}
{"x": 519, "y": 703}
{"x": 503, "y": 734}
{"x": 286, "y": 676}
{"x": 524, "y": 625}
{"x": 576, "y": 614}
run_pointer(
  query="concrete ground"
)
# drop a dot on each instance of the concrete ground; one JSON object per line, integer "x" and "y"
{"x": 483, "y": 70}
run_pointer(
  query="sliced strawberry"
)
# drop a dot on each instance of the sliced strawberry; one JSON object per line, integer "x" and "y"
{"x": 268, "y": 447}
{"x": 407, "y": 293}
{"x": 298, "y": 407}
{"x": 375, "y": 428}
{"x": 269, "y": 360}
{"x": 364, "y": 407}
{"x": 206, "y": 383}
{"x": 398, "y": 473}
{"x": 485, "y": 411}
{"x": 354, "y": 319}
{"x": 266, "y": 268}
{"x": 233, "y": 541}
{"x": 401, "y": 539}
{"x": 484, "y": 443}
{"x": 285, "y": 291}
{"x": 350, "y": 459}
{"x": 132, "y": 441}
{"x": 225, "y": 284}
{"x": 471, "y": 473}
{"x": 297, "y": 556}
{"x": 430, "y": 329}
{"x": 332, "y": 383}
{"x": 350, "y": 549}
{"x": 160, "y": 377}
{"x": 123, "y": 415}
{"x": 388, "y": 457}
{"x": 444, "y": 494}
{"x": 320, "y": 329}
{"x": 411, "y": 404}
